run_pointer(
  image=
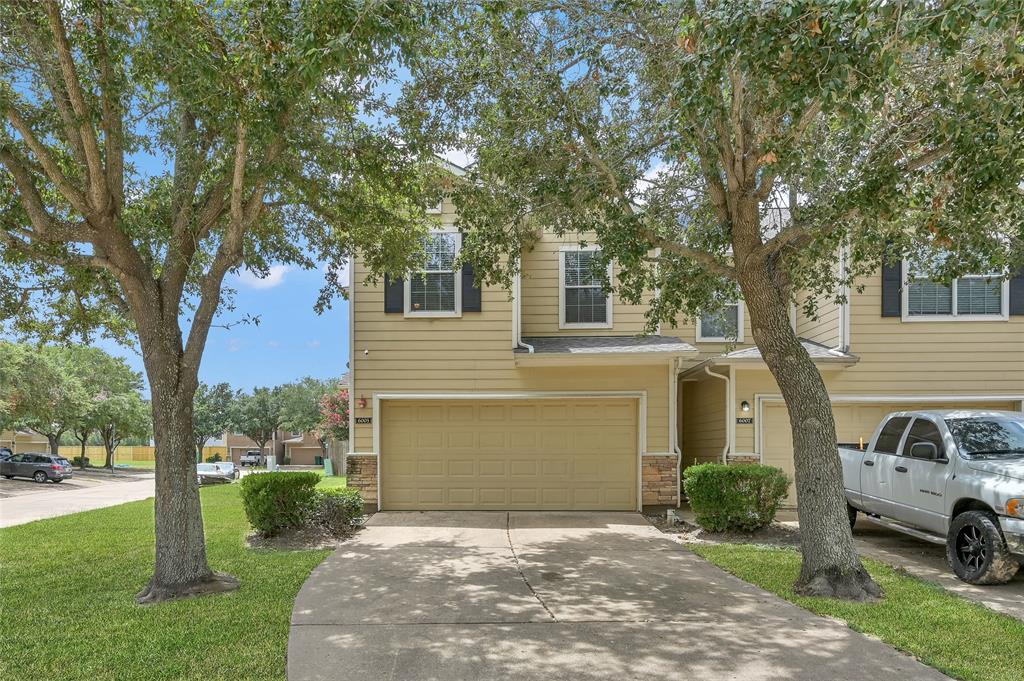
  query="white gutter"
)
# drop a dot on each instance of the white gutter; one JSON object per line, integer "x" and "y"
{"x": 517, "y": 325}
{"x": 728, "y": 385}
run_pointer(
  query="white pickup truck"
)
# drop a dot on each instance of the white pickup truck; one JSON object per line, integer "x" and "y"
{"x": 950, "y": 477}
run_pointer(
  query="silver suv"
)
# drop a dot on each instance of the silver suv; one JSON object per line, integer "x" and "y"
{"x": 39, "y": 467}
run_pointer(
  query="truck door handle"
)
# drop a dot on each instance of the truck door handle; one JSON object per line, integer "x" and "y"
{"x": 901, "y": 469}
{"x": 869, "y": 463}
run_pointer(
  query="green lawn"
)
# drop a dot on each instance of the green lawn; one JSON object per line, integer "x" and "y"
{"x": 956, "y": 636}
{"x": 66, "y": 600}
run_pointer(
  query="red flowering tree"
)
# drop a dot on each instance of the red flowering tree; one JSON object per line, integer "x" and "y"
{"x": 334, "y": 413}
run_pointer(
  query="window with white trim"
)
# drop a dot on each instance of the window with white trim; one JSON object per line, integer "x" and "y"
{"x": 725, "y": 325}
{"x": 970, "y": 297}
{"x": 583, "y": 302}
{"x": 436, "y": 290}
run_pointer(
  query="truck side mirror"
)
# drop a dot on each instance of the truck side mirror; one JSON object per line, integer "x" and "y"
{"x": 924, "y": 450}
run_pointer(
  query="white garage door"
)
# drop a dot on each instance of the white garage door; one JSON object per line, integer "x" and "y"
{"x": 573, "y": 454}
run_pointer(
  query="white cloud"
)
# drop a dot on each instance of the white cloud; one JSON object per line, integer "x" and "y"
{"x": 275, "y": 277}
{"x": 234, "y": 344}
{"x": 273, "y": 344}
{"x": 313, "y": 344}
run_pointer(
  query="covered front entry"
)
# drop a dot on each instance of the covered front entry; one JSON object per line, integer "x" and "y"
{"x": 855, "y": 421}
{"x": 511, "y": 454}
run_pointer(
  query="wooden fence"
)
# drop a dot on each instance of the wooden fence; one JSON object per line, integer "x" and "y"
{"x": 129, "y": 453}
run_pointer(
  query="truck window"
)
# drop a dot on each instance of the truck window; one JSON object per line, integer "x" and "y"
{"x": 924, "y": 430}
{"x": 889, "y": 439}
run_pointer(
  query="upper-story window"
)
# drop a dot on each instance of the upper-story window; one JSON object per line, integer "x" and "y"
{"x": 436, "y": 290}
{"x": 725, "y": 325}
{"x": 968, "y": 298}
{"x": 583, "y": 303}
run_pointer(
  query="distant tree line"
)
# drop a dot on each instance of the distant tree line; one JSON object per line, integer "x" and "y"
{"x": 75, "y": 395}
{"x": 310, "y": 405}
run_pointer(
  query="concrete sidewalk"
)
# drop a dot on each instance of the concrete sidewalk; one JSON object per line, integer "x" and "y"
{"x": 56, "y": 501}
{"x": 541, "y": 596}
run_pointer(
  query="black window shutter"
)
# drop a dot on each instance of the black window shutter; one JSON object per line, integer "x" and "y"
{"x": 892, "y": 282}
{"x": 394, "y": 295}
{"x": 1017, "y": 293}
{"x": 471, "y": 293}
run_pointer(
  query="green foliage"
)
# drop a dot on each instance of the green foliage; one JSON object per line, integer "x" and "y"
{"x": 257, "y": 415}
{"x": 300, "y": 406}
{"x": 211, "y": 412}
{"x": 216, "y": 458}
{"x": 646, "y": 126}
{"x": 77, "y": 461}
{"x": 336, "y": 509}
{"x": 278, "y": 500}
{"x": 741, "y": 497}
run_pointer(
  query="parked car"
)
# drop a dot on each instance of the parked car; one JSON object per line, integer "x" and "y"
{"x": 211, "y": 474}
{"x": 39, "y": 467}
{"x": 5, "y": 453}
{"x": 252, "y": 457}
{"x": 227, "y": 467}
{"x": 949, "y": 477}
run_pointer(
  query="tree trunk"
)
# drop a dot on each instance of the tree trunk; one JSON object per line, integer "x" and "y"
{"x": 181, "y": 567}
{"x": 54, "y": 440}
{"x": 81, "y": 456}
{"x": 109, "y": 447}
{"x": 831, "y": 566}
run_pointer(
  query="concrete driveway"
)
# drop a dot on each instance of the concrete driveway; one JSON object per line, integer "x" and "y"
{"x": 543, "y": 596}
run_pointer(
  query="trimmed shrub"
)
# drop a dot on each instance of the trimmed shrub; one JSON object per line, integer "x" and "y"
{"x": 286, "y": 461}
{"x": 214, "y": 459}
{"x": 77, "y": 461}
{"x": 278, "y": 500}
{"x": 335, "y": 509}
{"x": 742, "y": 497}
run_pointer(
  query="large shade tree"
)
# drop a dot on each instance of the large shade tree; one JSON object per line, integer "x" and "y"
{"x": 150, "y": 148}
{"x": 300, "y": 408}
{"x": 734, "y": 147}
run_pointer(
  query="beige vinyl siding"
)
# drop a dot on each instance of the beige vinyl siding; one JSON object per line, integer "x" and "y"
{"x": 539, "y": 287}
{"x": 473, "y": 354}
{"x": 703, "y": 420}
{"x": 823, "y": 328}
{"x": 686, "y": 329}
{"x": 24, "y": 442}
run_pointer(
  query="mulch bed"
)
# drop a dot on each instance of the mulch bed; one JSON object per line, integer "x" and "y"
{"x": 688, "y": 533}
{"x": 302, "y": 539}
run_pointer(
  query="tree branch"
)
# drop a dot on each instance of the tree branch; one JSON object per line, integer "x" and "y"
{"x": 48, "y": 162}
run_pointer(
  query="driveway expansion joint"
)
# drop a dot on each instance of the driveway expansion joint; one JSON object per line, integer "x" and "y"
{"x": 519, "y": 568}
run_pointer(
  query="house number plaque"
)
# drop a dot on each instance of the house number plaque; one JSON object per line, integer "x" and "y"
{"x": 364, "y": 419}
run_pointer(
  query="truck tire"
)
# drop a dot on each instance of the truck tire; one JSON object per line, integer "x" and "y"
{"x": 976, "y": 550}
{"x": 852, "y": 512}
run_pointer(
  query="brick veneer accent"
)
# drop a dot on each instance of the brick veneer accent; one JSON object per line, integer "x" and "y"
{"x": 660, "y": 481}
{"x": 753, "y": 458}
{"x": 362, "y": 474}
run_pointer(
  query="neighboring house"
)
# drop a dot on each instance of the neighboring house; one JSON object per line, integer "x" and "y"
{"x": 303, "y": 449}
{"x": 23, "y": 441}
{"x": 548, "y": 397}
{"x": 239, "y": 444}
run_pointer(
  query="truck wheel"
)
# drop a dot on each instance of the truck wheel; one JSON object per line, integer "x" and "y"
{"x": 852, "y": 512}
{"x": 977, "y": 551}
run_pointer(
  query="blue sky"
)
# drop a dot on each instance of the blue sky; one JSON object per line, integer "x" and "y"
{"x": 290, "y": 342}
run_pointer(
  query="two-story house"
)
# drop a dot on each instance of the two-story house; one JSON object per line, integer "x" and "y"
{"x": 549, "y": 397}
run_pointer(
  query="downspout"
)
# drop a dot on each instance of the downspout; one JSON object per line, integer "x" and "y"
{"x": 674, "y": 418}
{"x": 517, "y": 326}
{"x": 725, "y": 449}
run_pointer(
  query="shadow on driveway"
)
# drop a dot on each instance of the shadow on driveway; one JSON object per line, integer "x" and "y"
{"x": 551, "y": 596}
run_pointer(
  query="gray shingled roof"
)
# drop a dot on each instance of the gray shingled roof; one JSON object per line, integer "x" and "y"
{"x": 815, "y": 350}
{"x": 589, "y": 345}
